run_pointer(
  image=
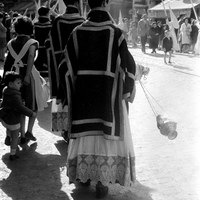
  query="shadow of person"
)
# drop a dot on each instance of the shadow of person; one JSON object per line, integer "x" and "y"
{"x": 116, "y": 192}
{"x": 155, "y": 55}
{"x": 34, "y": 176}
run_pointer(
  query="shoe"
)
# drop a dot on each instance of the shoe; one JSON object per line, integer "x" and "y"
{"x": 169, "y": 62}
{"x": 101, "y": 190}
{"x": 86, "y": 184}
{"x": 7, "y": 141}
{"x": 30, "y": 136}
{"x": 24, "y": 140}
{"x": 13, "y": 157}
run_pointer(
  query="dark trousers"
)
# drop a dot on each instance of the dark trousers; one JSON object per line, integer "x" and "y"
{"x": 143, "y": 42}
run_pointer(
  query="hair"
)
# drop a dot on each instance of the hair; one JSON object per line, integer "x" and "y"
{"x": 43, "y": 11}
{"x": 11, "y": 76}
{"x": 96, "y": 3}
{"x": 70, "y": 2}
{"x": 23, "y": 25}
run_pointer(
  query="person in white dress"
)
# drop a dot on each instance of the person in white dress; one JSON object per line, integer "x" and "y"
{"x": 185, "y": 31}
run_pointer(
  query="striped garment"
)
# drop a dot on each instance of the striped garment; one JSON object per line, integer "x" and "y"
{"x": 61, "y": 29}
{"x": 96, "y": 73}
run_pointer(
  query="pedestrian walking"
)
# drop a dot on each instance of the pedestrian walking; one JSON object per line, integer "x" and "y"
{"x": 3, "y": 41}
{"x": 133, "y": 33}
{"x": 60, "y": 31}
{"x": 161, "y": 32}
{"x": 20, "y": 58}
{"x": 167, "y": 46}
{"x": 153, "y": 37}
{"x": 97, "y": 85}
{"x": 185, "y": 31}
{"x": 11, "y": 109}
{"x": 143, "y": 31}
{"x": 41, "y": 31}
{"x": 194, "y": 34}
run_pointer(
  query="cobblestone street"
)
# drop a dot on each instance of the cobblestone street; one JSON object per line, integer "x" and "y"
{"x": 165, "y": 169}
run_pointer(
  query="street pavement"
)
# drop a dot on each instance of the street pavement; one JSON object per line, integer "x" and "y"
{"x": 165, "y": 169}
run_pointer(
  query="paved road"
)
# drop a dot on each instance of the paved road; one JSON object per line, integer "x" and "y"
{"x": 166, "y": 170}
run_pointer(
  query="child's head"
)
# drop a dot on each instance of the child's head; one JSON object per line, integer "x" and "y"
{"x": 13, "y": 80}
{"x": 23, "y": 25}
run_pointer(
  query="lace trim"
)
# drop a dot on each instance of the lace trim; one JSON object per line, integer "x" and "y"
{"x": 107, "y": 169}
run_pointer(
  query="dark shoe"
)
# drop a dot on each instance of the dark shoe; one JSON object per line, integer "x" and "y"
{"x": 13, "y": 157}
{"x": 169, "y": 62}
{"x": 86, "y": 184}
{"x": 24, "y": 140}
{"x": 30, "y": 136}
{"x": 7, "y": 141}
{"x": 101, "y": 190}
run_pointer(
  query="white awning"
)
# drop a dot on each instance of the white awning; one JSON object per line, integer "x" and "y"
{"x": 179, "y": 7}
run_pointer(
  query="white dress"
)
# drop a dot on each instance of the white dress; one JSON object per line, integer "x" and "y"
{"x": 185, "y": 33}
{"x": 39, "y": 82}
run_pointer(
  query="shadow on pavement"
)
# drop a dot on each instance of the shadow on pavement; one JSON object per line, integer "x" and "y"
{"x": 34, "y": 176}
{"x": 116, "y": 192}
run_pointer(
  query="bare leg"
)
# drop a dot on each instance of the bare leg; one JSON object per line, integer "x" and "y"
{"x": 170, "y": 55}
{"x": 22, "y": 126}
{"x": 29, "y": 134}
{"x": 31, "y": 122}
{"x": 165, "y": 56}
{"x": 14, "y": 143}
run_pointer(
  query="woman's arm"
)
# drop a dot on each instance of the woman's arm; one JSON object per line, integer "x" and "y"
{"x": 30, "y": 62}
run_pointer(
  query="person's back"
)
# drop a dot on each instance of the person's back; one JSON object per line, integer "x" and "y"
{"x": 61, "y": 29}
{"x": 41, "y": 31}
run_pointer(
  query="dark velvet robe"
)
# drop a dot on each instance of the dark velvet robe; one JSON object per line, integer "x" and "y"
{"x": 96, "y": 73}
{"x": 41, "y": 32}
{"x": 61, "y": 29}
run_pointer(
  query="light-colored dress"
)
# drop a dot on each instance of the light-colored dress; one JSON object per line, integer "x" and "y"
{"x": 39, "y": 82}
{"x": 185, "y": 33}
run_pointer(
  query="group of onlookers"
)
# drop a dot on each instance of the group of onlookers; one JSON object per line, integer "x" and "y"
{"x": 152, "y": 32}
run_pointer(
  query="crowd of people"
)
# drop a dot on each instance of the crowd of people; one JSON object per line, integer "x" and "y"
{"x": 90, "y": 70}
{"x": 185, "y": 35}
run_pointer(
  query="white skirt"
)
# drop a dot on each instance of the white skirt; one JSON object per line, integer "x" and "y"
{"x": 98, "y": 159}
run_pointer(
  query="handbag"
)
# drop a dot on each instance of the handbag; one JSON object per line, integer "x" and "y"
{"x": 59, "y": 116}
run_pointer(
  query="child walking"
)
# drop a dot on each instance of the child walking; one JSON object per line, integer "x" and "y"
{"x": 11, "y": 110}
{"x": 167, "y": 46}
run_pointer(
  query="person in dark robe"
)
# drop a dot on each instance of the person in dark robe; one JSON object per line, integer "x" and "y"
{"x": 194, "y": 34}
{"x": 153, "y": 37}
{"x": 61, "y": 29}
{"x": 97, "y": 78}
{"x": 41, "y": 31}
